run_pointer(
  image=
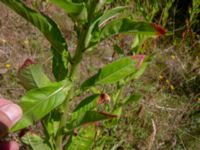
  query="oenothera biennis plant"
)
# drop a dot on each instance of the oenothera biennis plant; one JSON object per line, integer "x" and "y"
{"x": 48, "y": 101}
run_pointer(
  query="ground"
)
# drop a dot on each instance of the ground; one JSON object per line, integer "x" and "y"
{"x": 167, "y": 115}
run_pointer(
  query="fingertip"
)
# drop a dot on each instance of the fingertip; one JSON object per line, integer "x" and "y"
{"x": 13, "y": 112}
{"x": 9, "y": 146}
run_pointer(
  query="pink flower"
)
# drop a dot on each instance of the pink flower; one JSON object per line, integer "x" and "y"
{"x": 139, "y": 59}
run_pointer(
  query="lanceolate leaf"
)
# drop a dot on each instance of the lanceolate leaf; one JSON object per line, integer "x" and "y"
{"x": 39, "y": 102}
{"x": 100, "y": 32}
{"x": 46, "y": 25}
{"x": 88, "y": 103}
{"x": 89, "y": 117}
{"x": 51, "y": 124}
{"x": 84, "y": 139}
{"x": 60, "y": 63}
{"x": 94, "y": 29}
{"x": 132, "y": 98}
{"x": 85, "y": 105}
{"x": 139, "y": 71}
{"x": 100, "y": 5}
{"x": 35, "y": 142}
{"x": 110, "y": 14}
{"x": 125, "y": 25}
{"x": 33, "y": 76}
{"x": 112, "y": 72}
{"x": 77, "y": 10}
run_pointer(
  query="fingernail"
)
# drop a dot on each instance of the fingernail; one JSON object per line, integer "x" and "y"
{"x": 12, "y": 111}
{"x": 4, "y": 102}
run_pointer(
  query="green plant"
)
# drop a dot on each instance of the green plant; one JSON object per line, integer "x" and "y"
{"x": 49, "y": 101}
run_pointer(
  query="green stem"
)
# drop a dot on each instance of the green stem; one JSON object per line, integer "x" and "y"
{"x": 72, "y": 74}
{"x": 119, "y": 95}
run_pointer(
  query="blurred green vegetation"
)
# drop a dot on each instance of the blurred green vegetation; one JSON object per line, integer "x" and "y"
{"x": 170, "y": 86}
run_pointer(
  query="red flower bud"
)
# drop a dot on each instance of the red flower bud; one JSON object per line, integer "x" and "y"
{"x": 26, "y": 63}
{"x": 103, "y": 98}
{"x": 139, "y": 60}
{"x": 159, "y": 29}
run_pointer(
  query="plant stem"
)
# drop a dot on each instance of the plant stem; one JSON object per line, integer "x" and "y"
{"x": 72, "y": 74}
{"x": 118, "y": 96}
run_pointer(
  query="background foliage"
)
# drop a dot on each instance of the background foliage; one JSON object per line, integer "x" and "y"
{"x": 167, "y": 117}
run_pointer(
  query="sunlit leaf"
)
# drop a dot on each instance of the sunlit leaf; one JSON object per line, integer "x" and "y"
{"x": 88, "y": 118}
{"x": 39, "y": 102}
{"x": 35, "y": 141}
{"x": 33, "y": 76}
{"x": 77, "y": 10}
{"x": 93, "y": 34}
{"x": 125, "y": 25}
{"x": 112, "y": 73}
{"x": 83, "y": 140}
{"x": 110, "y": 14}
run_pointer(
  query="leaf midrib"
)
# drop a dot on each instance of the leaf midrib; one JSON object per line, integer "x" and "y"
{"x": 38, "y": 103}
{"x": 114, "y": 73}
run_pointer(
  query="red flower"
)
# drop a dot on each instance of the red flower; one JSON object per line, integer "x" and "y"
{"x": 159, "y": 29}
{"x": 26, "y": 63}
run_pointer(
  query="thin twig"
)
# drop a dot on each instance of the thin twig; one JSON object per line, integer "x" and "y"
{"x": 153, "y": 135}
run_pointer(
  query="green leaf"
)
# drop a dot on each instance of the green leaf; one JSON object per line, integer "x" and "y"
{"x": 137, "y": 74}
{"x": 33, "y": 76}
{"x": 35, "y": 141}
{"x": 89, "y": 117}
{"x": 84, "y": 139}
{"x": 118, "y": 50}
{"x": 60, "y": 63}
{"x": 88, "y": 103}
{"x": 110, "y": 14}
{"x": 46, "y": 25}
{"x": 109, "y": 1}
{"x": 77, "y": 10}
{"x": 52, "y": 123}
{"x": 132, "y": 98}
{"x": 100, "y": 5}
{"x": 112, "y": 73}
{"x": 125, "y": 25}
{"x": 94, "y": 29}
{"x": 85, "y": 105}
{"x": 37, "y": 103}
{"x": 100, "y": 32}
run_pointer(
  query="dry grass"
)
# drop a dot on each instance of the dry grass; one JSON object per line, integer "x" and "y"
{"x": 161, "y": 118}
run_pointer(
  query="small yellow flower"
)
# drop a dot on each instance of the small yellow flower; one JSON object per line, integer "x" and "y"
{"x": 173, "y": 57}
{"x": 26, "y": 42}
{"x": 198, "y": 99}
{"x": 161, "y": 77}
{"x": 7, "y": 65}
{"x": 172, "y": 87}
{"x": 167, "y": 81}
